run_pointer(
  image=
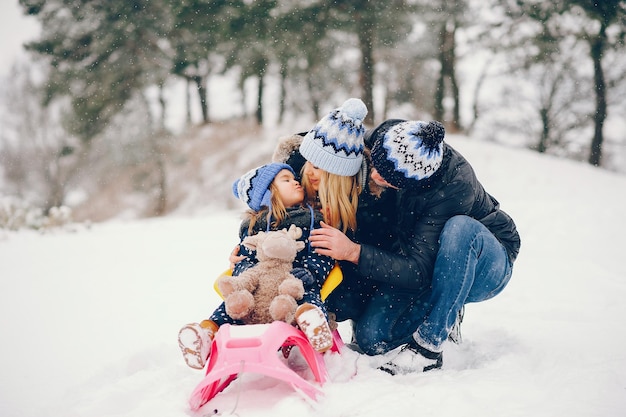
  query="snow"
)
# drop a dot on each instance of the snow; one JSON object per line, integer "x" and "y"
{"x": 89, "y": 317}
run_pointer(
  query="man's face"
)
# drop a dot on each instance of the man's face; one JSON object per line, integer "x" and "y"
{"x": 375, "y": 176}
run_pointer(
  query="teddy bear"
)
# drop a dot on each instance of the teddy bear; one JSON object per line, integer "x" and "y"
{"x": 267, "y": 291}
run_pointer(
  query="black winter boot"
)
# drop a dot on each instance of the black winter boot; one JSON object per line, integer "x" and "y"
{"x": 413, "y": 358}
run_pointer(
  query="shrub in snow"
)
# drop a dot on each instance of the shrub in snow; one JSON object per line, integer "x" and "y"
{"x": 16, "y": 214}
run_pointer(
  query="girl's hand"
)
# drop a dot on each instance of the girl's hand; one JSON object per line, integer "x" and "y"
{"x": 330, "y": 241}
{"x": 235, "y": 257}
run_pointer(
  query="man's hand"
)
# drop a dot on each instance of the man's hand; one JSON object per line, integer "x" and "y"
{"x": 332, "y": 242}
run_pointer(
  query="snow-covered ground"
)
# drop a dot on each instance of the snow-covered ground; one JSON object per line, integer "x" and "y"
{"x": 88, "y": 319}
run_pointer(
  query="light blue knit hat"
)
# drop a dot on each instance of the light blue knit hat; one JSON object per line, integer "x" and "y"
{"x": 335, "y": 144}
{"x": 253, "y": 187}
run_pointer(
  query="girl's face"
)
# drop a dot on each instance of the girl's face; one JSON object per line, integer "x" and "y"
{"x": 313, "y": 174}
{"x": 289, "y": 189}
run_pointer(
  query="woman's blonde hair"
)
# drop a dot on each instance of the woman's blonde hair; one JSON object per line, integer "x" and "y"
{"x": 338, "y": 197}
{"x": 279, "y": 211}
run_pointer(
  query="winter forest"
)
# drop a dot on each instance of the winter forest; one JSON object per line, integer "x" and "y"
{"x": 123, "y": 124}
{"x": 122, "y": 103}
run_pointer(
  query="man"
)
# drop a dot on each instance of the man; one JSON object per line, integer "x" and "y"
{"x": 429, "y": 240}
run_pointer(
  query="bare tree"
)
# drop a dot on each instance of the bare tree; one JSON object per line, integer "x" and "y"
{"x": 39, "y": 157}
{"x": 607, "y": 13}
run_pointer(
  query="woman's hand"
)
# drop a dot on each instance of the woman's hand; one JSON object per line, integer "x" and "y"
{"x": 330, "y": 241}
{"x": 235, "y": 257}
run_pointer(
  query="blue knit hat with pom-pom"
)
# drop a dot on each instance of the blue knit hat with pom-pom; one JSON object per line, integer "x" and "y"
{"x": 407, "y": 151}
{"x": 335, "y": 144}
{"x": 253, "y": 187}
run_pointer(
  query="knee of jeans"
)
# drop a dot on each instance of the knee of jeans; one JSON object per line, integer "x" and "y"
{"x": 369, "y": 338}
{"x": 456, "y": 223}
{"x": 456, "y": 228}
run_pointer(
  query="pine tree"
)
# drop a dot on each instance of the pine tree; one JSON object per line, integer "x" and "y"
{"x": 200, "y": 36}
{"x": 101, "y": 52}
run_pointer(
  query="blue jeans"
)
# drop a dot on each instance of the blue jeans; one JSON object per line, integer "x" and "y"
{"x": 471, "y": 266}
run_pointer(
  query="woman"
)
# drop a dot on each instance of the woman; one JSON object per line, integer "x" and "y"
{"x": 330, "y": 160}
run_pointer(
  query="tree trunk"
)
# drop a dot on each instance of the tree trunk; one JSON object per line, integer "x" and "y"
{"x": 161, "y": 201}
{"x": 188, "y": 101}
{"x": 261, "y": 69}
{"x": 281, "y": 102}
{"x": 313, "y": 97}
{"x": 55, "y": 185}
{"x": 201, "y": 86}
{"x": 259, "y": 101}
{"x": 597, "y": 48}
{"x": 545, "y": 131}
{"x": 456, "y": 112}
{"x": 365, "y": 29}
{"x": 440, "y": 91}
{"x": 163, "y": 108}
{"x": 439, "y": 95}
{"x": 447, "y": 58}
{"x": 475, "y": 105}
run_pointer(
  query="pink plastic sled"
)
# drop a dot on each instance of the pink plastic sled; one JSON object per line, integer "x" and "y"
{"x": 254, "y": 348}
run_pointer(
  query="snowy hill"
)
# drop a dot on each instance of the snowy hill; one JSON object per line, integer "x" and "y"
{"x": 89, "y": 318}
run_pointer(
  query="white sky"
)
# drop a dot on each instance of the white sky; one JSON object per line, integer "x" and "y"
{"x": 15, "y": 29}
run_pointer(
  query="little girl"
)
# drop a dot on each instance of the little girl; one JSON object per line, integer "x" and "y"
{"x": 275, "y": 199}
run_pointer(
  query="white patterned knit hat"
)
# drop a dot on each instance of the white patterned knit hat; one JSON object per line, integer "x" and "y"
{"x": 335, "y": 144}
{"x": 407, "y": 151}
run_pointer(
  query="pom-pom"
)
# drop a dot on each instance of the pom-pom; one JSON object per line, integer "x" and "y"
{"x": 354, "y": 108}
{"x": 432, "y": 134}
